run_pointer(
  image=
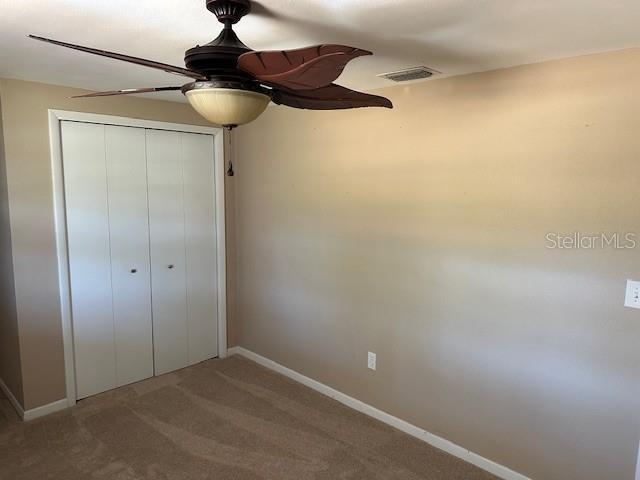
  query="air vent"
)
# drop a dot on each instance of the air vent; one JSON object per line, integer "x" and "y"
{"x": 409, "y": 74}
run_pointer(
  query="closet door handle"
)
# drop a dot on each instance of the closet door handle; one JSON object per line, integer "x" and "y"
{"x": 170, "y": 267}
{"x": 134, "y": 270}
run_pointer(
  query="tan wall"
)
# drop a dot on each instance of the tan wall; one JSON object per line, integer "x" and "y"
{"x": 9, "y": 342}
{"x": 26, "y": 133}
{"x": 420, "y": 234}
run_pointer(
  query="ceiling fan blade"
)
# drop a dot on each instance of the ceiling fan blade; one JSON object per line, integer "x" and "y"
{"x": 331, "y": 97}
{"x": 127, "y": 91}
{"x": 301, "y": 69}
{"x": 316, "y": 73}
{"x": 257, "y": 8}
{"x": 125, "y": 58}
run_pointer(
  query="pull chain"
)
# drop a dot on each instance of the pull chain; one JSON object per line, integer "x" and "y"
{"x": 230, "y": 172}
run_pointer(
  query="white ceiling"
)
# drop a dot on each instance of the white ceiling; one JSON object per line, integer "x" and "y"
{"x": 451, "y": 36}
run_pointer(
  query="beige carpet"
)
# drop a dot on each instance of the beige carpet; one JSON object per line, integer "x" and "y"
{"x": 222, "y": 419}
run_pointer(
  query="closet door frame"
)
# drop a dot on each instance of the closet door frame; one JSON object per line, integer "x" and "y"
{"x": 60, "y": 221}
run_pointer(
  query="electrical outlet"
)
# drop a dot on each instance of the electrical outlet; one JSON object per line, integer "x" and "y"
{"x": 371, "y": 361}
{"x": 632, "y": 298}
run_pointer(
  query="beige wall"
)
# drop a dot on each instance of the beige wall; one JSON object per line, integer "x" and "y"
{"x": 420, "y": 234}
{"x": 232, "y": 281}
{"x": 9, "y": 344}
{"x": 26, "y": 134}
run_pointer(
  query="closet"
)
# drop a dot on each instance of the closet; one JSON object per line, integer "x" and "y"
{"x": 141, "y": 239}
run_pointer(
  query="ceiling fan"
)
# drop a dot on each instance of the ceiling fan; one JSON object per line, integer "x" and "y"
{"x": 233, "y": 84}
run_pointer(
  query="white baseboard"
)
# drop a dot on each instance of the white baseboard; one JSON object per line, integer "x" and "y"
{"x": 45, "y": 410}
{"x": 434, "y": 440}
{"x": 33, "y": 413}
{"x": 14, "y": 401}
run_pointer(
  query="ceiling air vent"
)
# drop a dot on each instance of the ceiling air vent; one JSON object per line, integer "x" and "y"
{"x": 409, "y": 74}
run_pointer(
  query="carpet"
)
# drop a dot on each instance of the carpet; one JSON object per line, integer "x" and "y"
{"x": 222, "y": 419}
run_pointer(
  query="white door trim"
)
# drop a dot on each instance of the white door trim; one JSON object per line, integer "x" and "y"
{"x": 55, "y": 117}
{"x": 638, "y": 465}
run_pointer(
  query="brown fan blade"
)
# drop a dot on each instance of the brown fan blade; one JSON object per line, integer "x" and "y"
{"x": 331, "y": 97}
{"x": 302, "y": 69}
{"x": 126, "y": 58}
{"x": 127, "y": 91}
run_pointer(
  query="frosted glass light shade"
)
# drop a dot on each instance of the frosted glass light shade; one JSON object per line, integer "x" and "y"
{"x": 228, "y": 106}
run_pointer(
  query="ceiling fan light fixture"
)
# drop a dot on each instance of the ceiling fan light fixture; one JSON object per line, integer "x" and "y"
{"x": 225, "y": 105}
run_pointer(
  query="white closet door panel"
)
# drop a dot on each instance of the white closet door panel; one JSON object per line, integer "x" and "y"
{"x": 129, "y": 238}
{"x": 85, "y": 180}
{"x": 166, "y": 227}
{"x": 200, "y": 240}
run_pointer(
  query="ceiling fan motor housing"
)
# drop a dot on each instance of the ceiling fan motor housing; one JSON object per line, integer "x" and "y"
{"x": 218, "y": 59}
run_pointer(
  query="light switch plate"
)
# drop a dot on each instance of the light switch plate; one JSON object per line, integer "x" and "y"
{"x": 371, "y": 361}
{"x": 632, "y": 298}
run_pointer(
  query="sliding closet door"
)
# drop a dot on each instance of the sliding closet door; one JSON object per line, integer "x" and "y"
{"x": 201, "y": 245}
{"x": 183, "y": 248}
{"x": 129, "y": 240}
{"x": 107, "y": 231}
{"x": 168, "y": 265}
